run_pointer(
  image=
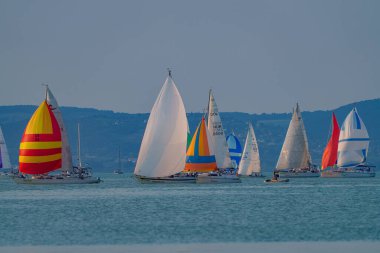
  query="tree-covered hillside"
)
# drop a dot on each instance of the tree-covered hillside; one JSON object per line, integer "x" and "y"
{"x": 102, "y": 132}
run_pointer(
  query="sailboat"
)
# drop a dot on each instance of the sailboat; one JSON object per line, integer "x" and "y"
{"x": 41, "y": 146}
{"x": 188, "y": 136}
{"x": 118, "y": 170}
{"x": 250, "y": 164}
{"x": 295, "y": 159}
{"x": 162, "y": 152}
{"x": 352, "y": 150}
{"x": 235, "y": 149}
{"x": 226, "y": 172}
{"x": 84, "y": 173}
{"x": 67, "y": 162}
{"x": 200, "y": 156}
{"x": 215, "y": 126}
{"x": 45, "y": 149}
{"x": 330, "y": 154}
{"x": 5, "y": 163}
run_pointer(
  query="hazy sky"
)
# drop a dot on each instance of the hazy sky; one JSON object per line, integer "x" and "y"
{"x": 258, "y": 56}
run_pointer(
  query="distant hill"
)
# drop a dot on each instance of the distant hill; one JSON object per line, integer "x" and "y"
{"x": 102, "y": 132}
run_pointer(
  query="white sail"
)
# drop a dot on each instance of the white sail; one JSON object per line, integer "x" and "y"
{"x": 250, "y": 159}
{"x": 5, "y": 162}
{"x": 163, "y": 148}
{"x": 353, "y": 141}
{"x": 222, "y": 155}
{"x": 295, "y": 152}
{"x": 67, "y": 163}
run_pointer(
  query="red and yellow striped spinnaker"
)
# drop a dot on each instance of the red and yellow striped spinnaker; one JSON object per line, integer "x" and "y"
{"x": 41, "y": 144}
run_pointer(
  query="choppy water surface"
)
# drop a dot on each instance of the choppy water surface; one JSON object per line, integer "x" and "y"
{"x": 123, "y": 211}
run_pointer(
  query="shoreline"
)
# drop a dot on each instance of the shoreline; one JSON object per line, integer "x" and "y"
{"x": 262, "y": 247}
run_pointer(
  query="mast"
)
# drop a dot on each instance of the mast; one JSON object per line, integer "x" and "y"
{"x": 46, "y": 89}
{"x": 79, "y": 158}
{"x": 208, "y": 105}
{"x": 119, "y": 160}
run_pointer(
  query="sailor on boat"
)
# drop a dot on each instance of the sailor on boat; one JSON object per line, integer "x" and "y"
{"x": 275, "y": 176}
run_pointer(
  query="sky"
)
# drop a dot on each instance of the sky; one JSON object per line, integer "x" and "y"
{"x": 257, "y": 56}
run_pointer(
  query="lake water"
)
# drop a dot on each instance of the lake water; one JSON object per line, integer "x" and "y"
{"x": 123, "y": 211}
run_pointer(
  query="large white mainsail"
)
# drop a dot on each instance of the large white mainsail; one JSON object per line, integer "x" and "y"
{"x": 5, "y": 162}
{"x": 353, "y": 141}
{"x": 250, "y": 159}
{"x": 163, "y": 148}
{"x": 67, "y": 163}
{"x": 295, "y": 151}
{"x": 214, "y": 125}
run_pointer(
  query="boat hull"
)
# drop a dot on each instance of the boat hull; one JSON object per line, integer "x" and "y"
{"x": 5, "y": 174}
{"x": 256, "y": 175}
{"x": 298, "y": 174}
{"x": 63, "y": 180}
{"x": 276, "y": 181}
{"x": 252, "y": 175}
{"x": 349, "y": 173}
{"x": 179, "y": 179}
{"x": 219, "y": 179}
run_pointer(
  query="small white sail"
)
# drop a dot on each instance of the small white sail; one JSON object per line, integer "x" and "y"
{"x": 295, "y": 151}
{"x": 215, "y": 127}
{"x": 353, "y": 141}
{"x": 163, "y": 148}
{"x": 67, "y": 163}
{"x": 250, "y": 159}
{"x": 5, "y": 162}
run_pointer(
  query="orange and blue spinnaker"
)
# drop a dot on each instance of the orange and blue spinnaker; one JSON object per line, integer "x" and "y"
{"x": 41, "y": 144}
{"x": 199, "y": 156}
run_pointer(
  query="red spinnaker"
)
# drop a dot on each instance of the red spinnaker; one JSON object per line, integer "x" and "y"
{"x": 330, "y": 154}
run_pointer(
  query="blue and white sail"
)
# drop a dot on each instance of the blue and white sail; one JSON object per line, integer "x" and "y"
{"x": 5, "y": 162}
{"x": 235, "y": 149}
{"x": 353, "y": 141}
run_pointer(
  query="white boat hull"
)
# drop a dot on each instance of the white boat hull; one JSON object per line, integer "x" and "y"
{"x": 211, "y": 178}
{"x": 63, "y": 180}
{"x": 174, "y": 179}
{"x": 348, "y": 173}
